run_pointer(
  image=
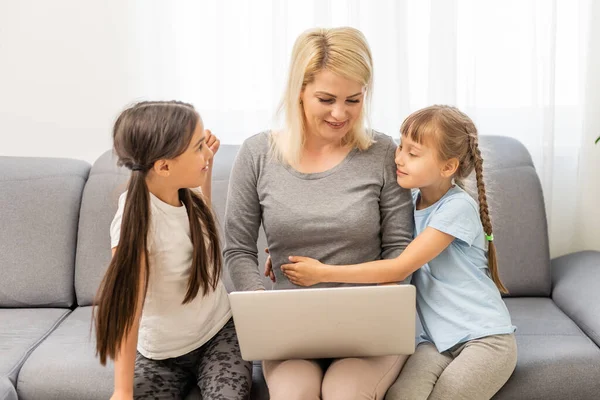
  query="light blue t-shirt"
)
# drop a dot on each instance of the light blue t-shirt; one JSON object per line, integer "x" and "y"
{"x": 457, "y": 299}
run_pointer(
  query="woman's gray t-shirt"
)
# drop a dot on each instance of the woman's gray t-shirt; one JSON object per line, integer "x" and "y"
{"x": 352, "y": 213}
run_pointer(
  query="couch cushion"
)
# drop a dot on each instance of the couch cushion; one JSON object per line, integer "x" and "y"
{"x": 105, "y": 184}
{"x": 555, "y": 358}
{"x": 7, "y": 390}
{"x": 64, "y": 366}
{"x": 40, "y": 200}
{"x": 518, "y": 216}
{"x": 575, "y": 279}
{"x": 21, "y": 331}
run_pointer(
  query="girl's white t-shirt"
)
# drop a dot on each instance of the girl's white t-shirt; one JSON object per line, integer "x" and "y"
{"x": 169, "y": 328}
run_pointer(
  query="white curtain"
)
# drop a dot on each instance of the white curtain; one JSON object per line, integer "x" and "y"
{"x": 526, "y": 69}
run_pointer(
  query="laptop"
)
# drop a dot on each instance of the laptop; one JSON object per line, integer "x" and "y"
{"x": 342, "y": 322}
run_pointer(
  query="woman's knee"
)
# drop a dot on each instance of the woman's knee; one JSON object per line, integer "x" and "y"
{"x": 361, "y": 378}
{"x": 293, "y": 379}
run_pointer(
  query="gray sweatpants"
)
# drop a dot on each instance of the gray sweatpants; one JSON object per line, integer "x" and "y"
{"x": 216, "y": 367}
{"x": 473, "y": 370}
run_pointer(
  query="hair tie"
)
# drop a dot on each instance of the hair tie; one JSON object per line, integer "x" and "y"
{"x": 137, "y": 167}
{"x": 489, "y": 238}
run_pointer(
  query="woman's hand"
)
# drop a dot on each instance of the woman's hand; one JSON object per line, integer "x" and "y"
{"x": 269, "y": 267}
{"x": 304, "y": 271}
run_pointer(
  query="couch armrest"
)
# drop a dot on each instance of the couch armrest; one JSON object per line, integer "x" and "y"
{"x": 576, "y": 289}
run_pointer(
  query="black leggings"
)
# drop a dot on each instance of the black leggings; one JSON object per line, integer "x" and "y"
{"x": 216, "y": 367}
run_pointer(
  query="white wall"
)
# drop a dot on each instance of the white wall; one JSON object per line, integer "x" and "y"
{"x": 67, "y": 68}
{"x": 64, "y": 75}
{"x": 588, "y": 207}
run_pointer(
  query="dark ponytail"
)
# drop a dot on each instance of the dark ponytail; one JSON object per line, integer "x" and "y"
{"x": 143, "y": 134}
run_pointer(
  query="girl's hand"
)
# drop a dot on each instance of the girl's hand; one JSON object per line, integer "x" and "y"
{"x": 304, "y": 271}
{"x": 212, "y": 142}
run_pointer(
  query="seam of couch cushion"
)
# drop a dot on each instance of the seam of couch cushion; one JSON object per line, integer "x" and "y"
{"x": 548, "y": 334}
{"x": 593, "y": 335}
{"x": 22, "y": 360}
{"x": 577, "y": 324}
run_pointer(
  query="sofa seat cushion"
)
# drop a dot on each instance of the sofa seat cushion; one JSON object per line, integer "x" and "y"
{"x": 556, "y": 360}
{"x": 21, "y": 331}
{"x": 7, "y": 390}
{"x": 65, "y": 367}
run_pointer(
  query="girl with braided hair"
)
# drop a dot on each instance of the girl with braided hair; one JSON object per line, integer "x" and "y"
{"x": 467, "y": 348}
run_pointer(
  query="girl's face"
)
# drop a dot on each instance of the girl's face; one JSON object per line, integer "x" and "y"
{"x": 332, "y": 104}
{"x": 418, "y": 165}
{"x": 189, "y": 169}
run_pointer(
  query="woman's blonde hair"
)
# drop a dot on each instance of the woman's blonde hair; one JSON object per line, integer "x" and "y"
{"x": 343, "y": 51}
{"x": 454, "y": 135}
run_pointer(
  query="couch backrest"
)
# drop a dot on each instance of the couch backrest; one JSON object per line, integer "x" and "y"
{"x": 513, "y": 190}
{"x": 105, "y": 184}
{"x": 39, "y": 213}
{"x": 518, "y": 215}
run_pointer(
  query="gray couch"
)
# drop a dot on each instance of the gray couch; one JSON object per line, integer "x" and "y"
{"x": 54, "y": 249}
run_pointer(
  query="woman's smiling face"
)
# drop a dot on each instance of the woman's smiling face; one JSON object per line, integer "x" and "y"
{"x": 332, "y": 104}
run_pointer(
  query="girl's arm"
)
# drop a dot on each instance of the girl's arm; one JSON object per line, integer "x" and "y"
{"x": 206, "y": 188}
{"x": 428, "y": 245}
{"x": 395, "y": 209}
{"x": 213, "y": 144}
{"x": 125, "y": 360}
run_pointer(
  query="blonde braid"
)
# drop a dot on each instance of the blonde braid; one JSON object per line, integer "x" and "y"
{"x": 484, "y": 210}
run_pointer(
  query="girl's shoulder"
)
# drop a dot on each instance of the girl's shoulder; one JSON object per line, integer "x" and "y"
{"x": 457, "y": 197}
{"x": 455, "y": 201}
{"x": 455, "y": 207}
{"x": 457, "y": 214}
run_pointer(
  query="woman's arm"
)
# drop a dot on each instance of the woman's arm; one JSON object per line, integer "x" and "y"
{"x": 242, "y": 222}
{"x": 396, "y": 210}
{"x": 428, "y": 245}
{"x": 125, "y": 360}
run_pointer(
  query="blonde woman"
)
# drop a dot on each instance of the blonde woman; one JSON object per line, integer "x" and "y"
{"x": 323, "y": 186}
